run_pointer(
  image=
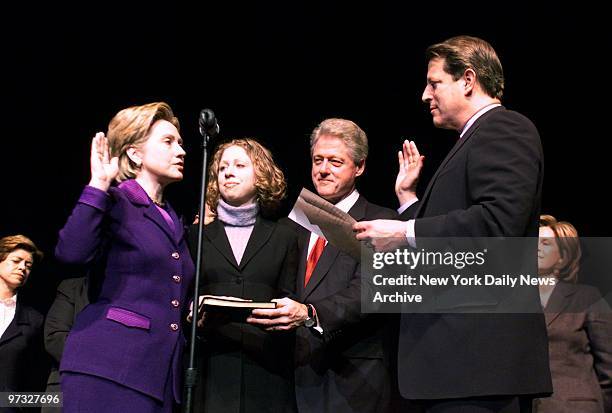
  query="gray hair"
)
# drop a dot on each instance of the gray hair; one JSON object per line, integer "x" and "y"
{"x": 351, "y": 134}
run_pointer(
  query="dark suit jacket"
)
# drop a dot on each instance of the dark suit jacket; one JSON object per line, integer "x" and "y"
{"x": 245, "y": 368}
{"x": 580, "y": 340}
{"x": 488, "y": 185}
{"x": 70, "y": 299}
{"x": 132, "y": 333}
{"x": 347, "y": 369}
{"x": 22, "y": 360}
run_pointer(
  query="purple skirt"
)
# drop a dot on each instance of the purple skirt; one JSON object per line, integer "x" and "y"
{"x": 84, "y": 393}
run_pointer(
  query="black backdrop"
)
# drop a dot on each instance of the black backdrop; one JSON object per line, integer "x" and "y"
{"x": 273, "y": 70}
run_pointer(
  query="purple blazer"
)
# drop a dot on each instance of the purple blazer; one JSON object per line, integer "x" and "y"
{"x": 132, "y": 334}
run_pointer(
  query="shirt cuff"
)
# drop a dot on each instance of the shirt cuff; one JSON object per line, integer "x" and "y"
{"x": 407, "y": 205}
{"x": 96, "y": 198}
{"x": 410, "y": 237}
{"x": 317, "y": 327}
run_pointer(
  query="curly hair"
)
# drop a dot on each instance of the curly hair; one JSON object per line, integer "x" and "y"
{"x": 270, "y": 184}
{"x": 11, "y": 243}
{"x": 130, "y": 127}
{"x": 568, "y": 243}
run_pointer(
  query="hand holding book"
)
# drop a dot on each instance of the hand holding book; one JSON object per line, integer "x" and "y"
{"x": 287, "y": 315}
{"x": 225, "y": 304}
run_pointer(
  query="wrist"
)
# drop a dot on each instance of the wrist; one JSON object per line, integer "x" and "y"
{"x": 305, "y": 312}
{"x": 311, "y": 315}
{"x": 404, "y": 196}
{"x": 99, "y": 184}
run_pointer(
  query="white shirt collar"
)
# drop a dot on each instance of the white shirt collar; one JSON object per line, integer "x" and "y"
{"x": 10, "y": 301}
{"x": 476, "y": 116}
{"x": 8, "y": 307}
{"x": 347, "y": 203}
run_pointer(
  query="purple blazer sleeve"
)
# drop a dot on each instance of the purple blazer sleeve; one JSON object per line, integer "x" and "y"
{"x": 82, "y": 235}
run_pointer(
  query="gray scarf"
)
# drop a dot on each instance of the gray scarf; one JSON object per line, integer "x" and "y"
{"x": 242, "y": 216}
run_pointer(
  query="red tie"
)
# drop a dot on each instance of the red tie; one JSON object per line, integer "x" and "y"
{"x": 316, "y": 252}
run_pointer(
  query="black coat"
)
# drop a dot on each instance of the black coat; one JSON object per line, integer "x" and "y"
{"x": 346, "y": 369}
{"x": 489, "y": 185}
{"x": 23, "y": 364}
{"x": 70, "y": 299}
{"x": 244, "y": 368}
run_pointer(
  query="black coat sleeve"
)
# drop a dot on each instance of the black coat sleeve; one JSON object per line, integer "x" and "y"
{"x": 61, "y": 317}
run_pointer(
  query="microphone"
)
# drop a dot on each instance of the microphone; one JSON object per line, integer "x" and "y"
{"x": 208, "y": 123}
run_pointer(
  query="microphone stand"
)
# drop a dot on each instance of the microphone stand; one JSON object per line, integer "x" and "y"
{"x": 191, "y": 374}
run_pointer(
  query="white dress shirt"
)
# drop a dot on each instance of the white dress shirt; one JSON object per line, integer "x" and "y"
{"x": 7, "y": 312}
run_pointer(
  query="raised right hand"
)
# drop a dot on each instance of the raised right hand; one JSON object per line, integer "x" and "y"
{"x": 410, "y": 165}
{"x": 104, "y": 169}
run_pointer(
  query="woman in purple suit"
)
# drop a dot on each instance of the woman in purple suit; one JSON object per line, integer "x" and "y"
{"x": 124, "y": 351}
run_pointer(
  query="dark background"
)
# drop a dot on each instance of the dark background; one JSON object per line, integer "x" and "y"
{"x": 273, "y": 70}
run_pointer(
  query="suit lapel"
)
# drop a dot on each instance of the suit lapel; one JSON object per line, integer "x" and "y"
{"x": 558, "y": 301}
{"x": 11, "y": 332}
{"x": 458, "y": 145}
{"x": 137, "y": 196}
{"x": 179, "y": 229}
{"x": 330, "y": 253}
{"x": 154, "y": 215}
{"x": 303, "y": 241}
{"x": 260, "y": 235}
{"x": 14, "y": 329}
{"x": 323, "y": 265}
{"x": 358, "y": 210}
{"x": 218, "y": 239}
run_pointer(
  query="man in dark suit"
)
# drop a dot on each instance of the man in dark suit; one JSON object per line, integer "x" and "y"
{"x": 341, "y": 362}
{"x": 489, "y": 185}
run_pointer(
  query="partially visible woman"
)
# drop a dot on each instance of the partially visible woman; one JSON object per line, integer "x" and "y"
{"x": 245, "y": 368}
{"x": 124, "y": 351}
{"x": 21, "y": 350}
{"x": 579, "y": 326}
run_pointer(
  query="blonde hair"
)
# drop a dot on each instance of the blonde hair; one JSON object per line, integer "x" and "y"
{"x": 568, "y": 243}
{"x": 270, "y": 185}
{"x": 11, "y": 243}
{"x": 130, "y": 127}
